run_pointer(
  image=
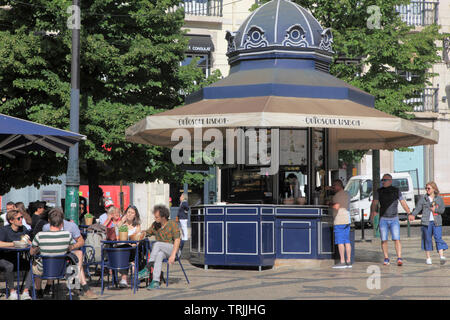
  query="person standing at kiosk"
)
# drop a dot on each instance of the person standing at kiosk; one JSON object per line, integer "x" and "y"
{"x": 182, "y": 216}
{"x": 341, "y": 221}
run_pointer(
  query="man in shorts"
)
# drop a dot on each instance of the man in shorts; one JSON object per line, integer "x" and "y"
{"x": 388, "y": 197}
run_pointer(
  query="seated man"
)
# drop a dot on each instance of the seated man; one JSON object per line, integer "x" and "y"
{"x": 167, "y": 243}
{"x": 14, "y": 231}
{"x": 77, "y": 243}
{"x": 12, "y": 206}
{"x": 52, "y": 243}
{"x": 39, "y": 217}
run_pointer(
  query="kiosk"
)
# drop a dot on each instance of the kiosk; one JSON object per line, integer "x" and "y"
{"x": 280, "y": 94}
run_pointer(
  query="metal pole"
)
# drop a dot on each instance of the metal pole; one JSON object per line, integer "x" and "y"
{"x": 73, "y": 173}
{"x": 376, "y": 186}
{"x": 121, "y": 197}
{"x": 362, "y": 224}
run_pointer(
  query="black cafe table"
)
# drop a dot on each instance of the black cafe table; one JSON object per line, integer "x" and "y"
{"x": 18, "y": 251}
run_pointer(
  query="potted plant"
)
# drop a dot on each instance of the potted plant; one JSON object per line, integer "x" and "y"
{"x": 123, "y": 233}
{"x": 88, "y": 219}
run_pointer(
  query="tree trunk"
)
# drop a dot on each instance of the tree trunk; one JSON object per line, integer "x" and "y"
{"x": 96, "y": 205}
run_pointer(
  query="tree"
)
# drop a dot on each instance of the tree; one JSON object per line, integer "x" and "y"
{"x": 130, "y": 68}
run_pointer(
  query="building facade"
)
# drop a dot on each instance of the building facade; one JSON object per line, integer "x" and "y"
{"x": 426, "y": 163}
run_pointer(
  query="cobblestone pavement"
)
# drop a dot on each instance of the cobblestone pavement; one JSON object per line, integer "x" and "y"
{"x": 414, "y": 280}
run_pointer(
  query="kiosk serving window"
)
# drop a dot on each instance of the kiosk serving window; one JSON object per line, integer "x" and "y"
{"x": 301, "y": 173}
{"x": 247, "y": 186}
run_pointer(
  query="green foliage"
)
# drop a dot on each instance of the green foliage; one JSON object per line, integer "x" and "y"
{"x": 130, "y": 68}
{"x": 88, "y": 215}
{"x": 123, "y": 228}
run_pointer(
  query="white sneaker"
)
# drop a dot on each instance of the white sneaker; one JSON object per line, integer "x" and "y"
{"x": 429, "y": 261}
{"x": 443, "y": 260}
{"x": 123, "y": 283}
{"x": 25, "y": 296}
{"x": 13, "y": 296}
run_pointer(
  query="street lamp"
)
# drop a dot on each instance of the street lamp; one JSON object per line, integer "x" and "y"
{"x": 73, "y": 172}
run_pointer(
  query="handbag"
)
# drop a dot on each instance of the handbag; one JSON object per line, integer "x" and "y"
{"x": 111, "y": 234}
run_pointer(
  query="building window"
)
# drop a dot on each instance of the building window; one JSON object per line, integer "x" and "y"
{"x": 203, "y": 61}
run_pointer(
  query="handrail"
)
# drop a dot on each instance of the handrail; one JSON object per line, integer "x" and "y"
{"x": 419, "y": 13}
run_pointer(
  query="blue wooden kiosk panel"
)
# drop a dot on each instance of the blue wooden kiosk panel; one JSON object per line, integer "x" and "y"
{"x": 267, "y": 237}
{"x": 296, "y": 238}
{"x": 215, "y": 211}
{"x": 215, "y": 243}
{"x": 326, "y": 239}
{"x": 244, "y": 260}
{"x": 242, "y": 238}
{"x": 242, "y": 211}
{"x": 256, "y": 235}
{"x": 280, "y": 211}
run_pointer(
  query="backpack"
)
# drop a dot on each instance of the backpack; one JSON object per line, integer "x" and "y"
{"x": 94, "y": 238}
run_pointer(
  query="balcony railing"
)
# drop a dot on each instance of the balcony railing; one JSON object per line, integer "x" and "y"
{"x": 202, "y": 7}
{"x": 419, "y": 13}
{"x": 426, "y": 102}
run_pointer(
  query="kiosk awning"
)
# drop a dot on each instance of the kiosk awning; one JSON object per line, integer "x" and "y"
{"x": 356, "y": 127}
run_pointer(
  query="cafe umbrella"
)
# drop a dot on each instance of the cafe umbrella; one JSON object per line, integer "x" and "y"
{"x": 18, "y": 136}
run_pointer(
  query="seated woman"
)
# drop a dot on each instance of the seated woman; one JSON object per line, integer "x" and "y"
{"x": 15, "y": 231}
{"x": 132, "y": 220}
{"x": 113, "y": 217}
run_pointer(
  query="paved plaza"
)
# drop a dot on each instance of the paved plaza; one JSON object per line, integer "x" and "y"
{"x": 414, "y": 280}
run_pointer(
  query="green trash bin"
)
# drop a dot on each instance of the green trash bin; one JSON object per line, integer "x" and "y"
{"x": 376, "y": 226}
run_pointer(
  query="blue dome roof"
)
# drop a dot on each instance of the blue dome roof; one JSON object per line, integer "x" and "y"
{"x": 280, "y": 23}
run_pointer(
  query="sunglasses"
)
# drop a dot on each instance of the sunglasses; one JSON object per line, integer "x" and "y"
{"x": 384, "y": 180}
{"x": 428, "y": 188}
{"x": 19, "y": 218}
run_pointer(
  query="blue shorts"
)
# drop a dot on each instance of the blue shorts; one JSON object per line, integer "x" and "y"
{"x": 342, "y": 233}
{"x": 389, "y": 225}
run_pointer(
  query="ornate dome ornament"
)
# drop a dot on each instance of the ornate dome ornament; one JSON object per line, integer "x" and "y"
{"x": 295, "y": 37}
{"x": 281, "y": 28}
{"x": 327, "y": 40}
{"x": 255, "y": 38}
{"x": 230, "y": 36}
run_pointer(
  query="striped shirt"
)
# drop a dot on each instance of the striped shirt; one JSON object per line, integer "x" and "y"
{"x": 52, "y": 243}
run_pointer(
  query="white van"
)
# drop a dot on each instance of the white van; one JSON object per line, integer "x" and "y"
{"x": 360, "y": 190}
